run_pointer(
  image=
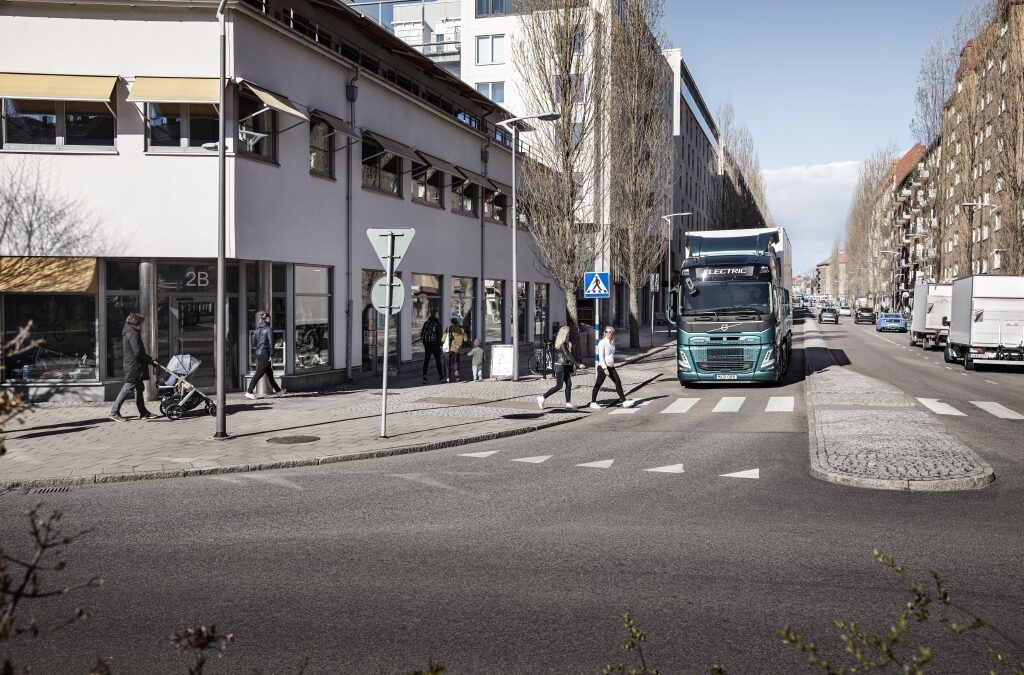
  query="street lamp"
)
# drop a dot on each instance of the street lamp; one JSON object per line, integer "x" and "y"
{"x": 220, "y": 315}
{"x": 893, "y": 264}
{"x": 508, "y": 126}
{"x": 668, "y": 256}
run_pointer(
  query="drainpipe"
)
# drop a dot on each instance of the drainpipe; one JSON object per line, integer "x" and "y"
{"x": 351, "y": 93}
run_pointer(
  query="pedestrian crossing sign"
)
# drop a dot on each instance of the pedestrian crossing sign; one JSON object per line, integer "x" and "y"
{"x": 596, "y": 285}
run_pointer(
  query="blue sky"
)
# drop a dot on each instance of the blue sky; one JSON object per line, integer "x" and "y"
{"x": 819, "y": 84}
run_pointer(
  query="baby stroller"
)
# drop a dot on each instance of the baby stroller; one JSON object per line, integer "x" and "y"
{"x": 177, "y": 394}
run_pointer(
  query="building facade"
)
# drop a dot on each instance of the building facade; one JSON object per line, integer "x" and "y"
{"x": 334, "y": 126}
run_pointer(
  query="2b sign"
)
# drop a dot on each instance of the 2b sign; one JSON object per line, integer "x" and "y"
{"x": 197, "y": 279}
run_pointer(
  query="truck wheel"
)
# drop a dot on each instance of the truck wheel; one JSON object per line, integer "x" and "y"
{"x": 947, "y": 354}
{"x": 913, "y": 342}
{"x": 968, "y": 363}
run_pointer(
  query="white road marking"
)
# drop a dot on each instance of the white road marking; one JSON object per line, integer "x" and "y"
{"x": 750, "y": 473}
{"x": 780, "y": 404}
{"x": 480, "y": 454}
{"x": 991, "y": 382}
{"x": 680, "y": 405}
{"x": 948, "y": 368}
{"x": 998, "y": 410}
{"x": 940, "y": 408}
{"x": 886, "y": 339}
{"x": 534, "y": 460}
{"x": 672, "y": 468}
{"x": 730, "y": 404}
{"x": 603, "y": 464}
{"x": 647, "y": 402}
{"x": 624, "y": 411}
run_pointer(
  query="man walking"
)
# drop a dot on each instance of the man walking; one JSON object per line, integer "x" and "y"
{"x": 263, "y": 345}
{"x": 430, "y": 335}
{"x": 136, "y": 369}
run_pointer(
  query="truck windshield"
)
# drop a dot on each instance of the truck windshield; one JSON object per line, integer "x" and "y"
{"x": 728, "y": 297}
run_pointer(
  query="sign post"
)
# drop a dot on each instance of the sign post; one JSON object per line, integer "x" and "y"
{"x": 655, "y": 282}
{"x": 390, "y": 246}
{"x": 597, "y": 285}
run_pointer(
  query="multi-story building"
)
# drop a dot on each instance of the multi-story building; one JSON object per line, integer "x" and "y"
{"x": 334, "y": 126}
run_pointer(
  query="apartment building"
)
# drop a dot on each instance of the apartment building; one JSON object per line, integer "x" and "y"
{"x": 334, "y": 126}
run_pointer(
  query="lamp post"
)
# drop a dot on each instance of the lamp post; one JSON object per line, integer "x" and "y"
{"x": 508, "y": 126}
{"x": 668, "y": 255}
{"x": 893, "y": 265}
{"x": 220, "y": 314}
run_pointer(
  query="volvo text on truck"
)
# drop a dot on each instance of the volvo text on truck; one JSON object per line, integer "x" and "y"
{"x": 731, "y": 308}
{"x": 932, "y": 304}
{"x": 986, "y": 324}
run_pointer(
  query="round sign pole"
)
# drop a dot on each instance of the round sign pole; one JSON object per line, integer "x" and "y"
{"x": 387, "y": 326}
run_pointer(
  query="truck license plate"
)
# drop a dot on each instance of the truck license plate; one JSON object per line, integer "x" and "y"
{"x": 726, "y": 376}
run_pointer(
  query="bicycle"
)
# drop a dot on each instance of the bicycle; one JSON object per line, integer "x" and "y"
{"x": 542, "y": 359}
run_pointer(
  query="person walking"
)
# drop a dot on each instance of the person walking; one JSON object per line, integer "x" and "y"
{"x": 477, "y": 355}
{"x": 430, "y": 335}
{"x": 565, "y": 365}
{"x": 136, "y": 369}
{"x": 452, "y": 342}
{"x": 606, "y": 368}
{"x": 263, "y": 346}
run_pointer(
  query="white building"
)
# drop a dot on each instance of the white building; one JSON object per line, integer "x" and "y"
{"x": 334, "y": 126}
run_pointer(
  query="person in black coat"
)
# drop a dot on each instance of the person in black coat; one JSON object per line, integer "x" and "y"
{"x": 136, "y": 369}
{"x": 263, "y": 346}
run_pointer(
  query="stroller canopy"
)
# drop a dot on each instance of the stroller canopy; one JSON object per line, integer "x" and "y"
{"x": 183, "y": 365}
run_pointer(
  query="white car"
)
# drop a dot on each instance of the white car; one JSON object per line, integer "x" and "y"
{"x": 845, "y": 311}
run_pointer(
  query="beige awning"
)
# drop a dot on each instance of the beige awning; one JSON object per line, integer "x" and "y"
{"x": 449, "y": 169}
{"x": 339, "y": 125}
{"x": 57, "y": 87}
{"x": 394, "y": 147}
{"x": 175, "y": 90}
{"x": 475, "y": 177}
{"x": 47, "y": 275}
{"x": 275, "y": 101}
{"x": 501, "y": 187}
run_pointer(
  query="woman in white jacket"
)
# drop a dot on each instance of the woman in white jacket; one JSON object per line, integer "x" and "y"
{"x": 606, "y": 368}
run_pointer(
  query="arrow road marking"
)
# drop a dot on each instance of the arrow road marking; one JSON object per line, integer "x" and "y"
{"x": 751, "y": 473}
{"x": 534, "y": 460}
{"x": 480, "y": 454}
{"x": 998, "y": 410}
{"x": 680, "y": 405}
{"x": 730, "y": 404}
{"x": 780, "y": 404}
{"x": 672, "y": 468}
{"x": 603, "y": 464}
{"x": 940, "y": 408}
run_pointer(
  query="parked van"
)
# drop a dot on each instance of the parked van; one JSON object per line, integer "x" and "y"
{"x": 987, "y": 321}
{"x": 929, "y": 326}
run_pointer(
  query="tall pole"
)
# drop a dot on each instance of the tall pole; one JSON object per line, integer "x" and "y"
{"x": 220, "y": 314}
{"x": 515, "y": 258}
{"x": 387, "y": 328}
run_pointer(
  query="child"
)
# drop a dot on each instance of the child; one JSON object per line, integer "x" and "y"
{"x": 477, "y": 354}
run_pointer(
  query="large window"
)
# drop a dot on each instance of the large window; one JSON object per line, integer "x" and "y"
{"x": 465, "y": 197}
{"x": 493, "y": 90}
{"x": 490, "y": 49}
{"x": 463, "y": 295}
{"x": 257, "y": 128}
{"x": 66, "y": 327}
{"x": 427, "y": 185}
{"x": 57, "y": 123}
{"x": 426, "y": 299}
{"x": 541, "y": 308}
{"x": 494, "y": 311}
{"x": 182, "y": 125}
{"x": 496, "y": 206}
{"x": 278, "y": 318}
{"x": 321, "y": 148}
{"x": 122, "y": 297}
{"x": 312, "y": 317}
{"x": 382, "y": 170}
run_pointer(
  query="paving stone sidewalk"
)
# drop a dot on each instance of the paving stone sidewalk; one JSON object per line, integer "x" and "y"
{"x": 57, "y": 444}
{"x": 849, "y": 445}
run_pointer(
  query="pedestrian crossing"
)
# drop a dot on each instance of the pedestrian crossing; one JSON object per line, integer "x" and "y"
{"x": 940, "y": 407}
{"x": 605, "y": 464}
{"x": 725, "y": 404}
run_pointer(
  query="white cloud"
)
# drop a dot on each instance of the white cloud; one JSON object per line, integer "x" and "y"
{"x": 811, "y": 202}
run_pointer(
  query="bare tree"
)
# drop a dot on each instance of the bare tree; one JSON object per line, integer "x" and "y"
{"x": 560, "y": 59}
{"x": 1010, "y": 136}
{"x": 935, "y": 84}
{"x": 743, "y": 199}
{"x": 641, "y": 158}
{"x": 867, "y": 223}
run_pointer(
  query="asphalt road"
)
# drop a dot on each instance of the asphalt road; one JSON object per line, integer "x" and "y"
{"x": 491, "y": 565}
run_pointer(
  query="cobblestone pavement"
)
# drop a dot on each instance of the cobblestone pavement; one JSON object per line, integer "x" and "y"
{"x": 71, "y": 444}
{"x": 850, "y": 445}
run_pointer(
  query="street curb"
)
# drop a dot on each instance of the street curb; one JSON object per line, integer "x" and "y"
{"x": 129, "y": 477}
{"x": 816, "y": 442}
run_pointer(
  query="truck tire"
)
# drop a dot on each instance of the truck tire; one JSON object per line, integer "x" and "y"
{"x": 913, "y": 342}
{"x": 968, "y": 363}
{"x": 947, "y": 354}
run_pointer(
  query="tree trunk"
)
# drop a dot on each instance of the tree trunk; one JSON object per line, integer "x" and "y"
{"x": 571, "y": 310}
{"x": 634, "y": 316}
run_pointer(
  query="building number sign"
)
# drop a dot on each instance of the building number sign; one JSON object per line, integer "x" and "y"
{"x": 197, "y": 279}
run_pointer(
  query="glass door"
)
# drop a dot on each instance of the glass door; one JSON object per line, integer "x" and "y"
{"x": 193, "y": 333}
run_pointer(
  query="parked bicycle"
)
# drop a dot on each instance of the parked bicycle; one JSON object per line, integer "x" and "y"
{"x": 542, "y": 359}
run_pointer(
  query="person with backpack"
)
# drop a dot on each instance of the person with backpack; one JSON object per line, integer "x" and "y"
{"x": 565, "y": 365}
{"x": 451, "y": 343}
{"x": 430, "y": 335}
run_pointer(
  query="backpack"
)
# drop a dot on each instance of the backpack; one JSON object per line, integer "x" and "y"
{"x": 429, "y": 333}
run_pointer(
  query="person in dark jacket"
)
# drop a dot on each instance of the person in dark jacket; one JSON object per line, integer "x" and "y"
{"x": 565, "y": 363}
{"x": 263, "y": 346}
{"x": 136, "y": 369}
{"x": 430, "y": 334}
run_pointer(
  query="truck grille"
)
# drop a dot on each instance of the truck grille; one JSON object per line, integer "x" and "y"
{"x": 725, "y": 359}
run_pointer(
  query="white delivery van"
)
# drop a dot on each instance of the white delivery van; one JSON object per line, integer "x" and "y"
{"x": 987, "y": 321}
{"x": 932, "y": 304}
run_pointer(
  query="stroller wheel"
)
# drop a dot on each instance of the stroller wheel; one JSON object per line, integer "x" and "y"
{"x": 165, "y": 403}
{"x": 174, "y": 411}
{"x": 211, "y": 409}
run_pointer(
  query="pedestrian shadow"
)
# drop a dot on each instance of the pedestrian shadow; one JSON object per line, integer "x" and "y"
{"x": 51, "y": 432}
{"x": 78, "y": 424}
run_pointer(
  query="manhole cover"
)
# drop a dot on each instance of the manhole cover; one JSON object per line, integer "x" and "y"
{"x": 523, "y": 416}
{"x": 292, "y": 440}
{"x": 48, "y": 490}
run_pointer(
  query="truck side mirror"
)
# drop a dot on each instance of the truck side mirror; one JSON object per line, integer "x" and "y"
{"x": 690, "y": 288}
{"x": 671, "y": 302}
{"x": 945, "y": 321}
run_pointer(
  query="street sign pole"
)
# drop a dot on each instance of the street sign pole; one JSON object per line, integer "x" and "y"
{"x": 387, "y": 327}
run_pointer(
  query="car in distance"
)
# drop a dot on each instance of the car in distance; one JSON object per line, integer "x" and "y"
{"x": 828, "y": 314}
{"x": 864, "y": 315}
{"x": 894, "y": 322}
{"x": 845, "y": 311}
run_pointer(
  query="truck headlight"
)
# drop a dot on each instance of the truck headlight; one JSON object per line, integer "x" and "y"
{"x": 684, "y": 363}
{"x": 769, "y": 359}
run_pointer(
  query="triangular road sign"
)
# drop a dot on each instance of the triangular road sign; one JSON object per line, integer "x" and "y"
{"x": 751, "y": 473}
{"x": 379, "y": 240}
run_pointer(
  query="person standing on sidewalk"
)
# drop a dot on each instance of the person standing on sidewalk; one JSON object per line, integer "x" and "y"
{"x": 564, "y": 366}
{"x": 430, "y": 335}
{"x": 477, "y": 355}
{"x": 453, "y": 339}
{"x": 263, "y": 346}
{"x": 606, "y": 368}
{"x": 136, "y": 369}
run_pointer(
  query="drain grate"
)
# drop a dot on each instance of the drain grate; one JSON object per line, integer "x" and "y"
{"x": 292, "y": 440}
{"x": 49, "y": 490}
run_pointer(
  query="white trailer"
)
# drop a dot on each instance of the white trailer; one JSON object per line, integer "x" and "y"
{"x": 987, "y": 321}
{"x": 932, "y": 304}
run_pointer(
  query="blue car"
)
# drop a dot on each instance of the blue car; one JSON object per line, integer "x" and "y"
{"x": 894, "y": 322}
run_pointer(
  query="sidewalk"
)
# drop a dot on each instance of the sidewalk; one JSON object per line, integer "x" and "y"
{"x": 61, "y": 444}
{"x": 867, "y": 433}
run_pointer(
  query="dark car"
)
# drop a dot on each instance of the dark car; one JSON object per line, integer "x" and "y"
{"x": 864, "y": 315}
{"x": 828, "y": 314}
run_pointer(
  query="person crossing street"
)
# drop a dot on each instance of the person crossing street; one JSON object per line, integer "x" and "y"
{"x": 606, "y": 369}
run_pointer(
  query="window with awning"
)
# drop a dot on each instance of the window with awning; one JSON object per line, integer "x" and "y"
{"x": 174, "y": 90}
{"x": 57, "y": 110}
{"x": 30, "y": 274}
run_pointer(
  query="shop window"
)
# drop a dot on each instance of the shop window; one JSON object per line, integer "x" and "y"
{"x": 496, "y": 206}
{"x": 278, "y": 316}
{"x": 321, "y": 148}
{"x": 194, "y": 278}
{"x": 540, "y": 311}
{"x": 494, "y": 311}
{"x": 521, "y": 318}
{"x": 312, "y": 317}
{"x": 464, "y": 196}
{"x": 382, "y": 170}
{"x": 373, "y": 327}
{"x": 427, "y": 185}
{"x": 463, "y": 297}
{"x": 118, "y": 308}
{"x": 426, "y": 299}
{"x": 122, "y": 276}
{"x": 66, "y": 326}
{"x": 257, "y": 128}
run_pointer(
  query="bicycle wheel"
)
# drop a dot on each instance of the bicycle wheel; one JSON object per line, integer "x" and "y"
{"x": 535, "y": 365}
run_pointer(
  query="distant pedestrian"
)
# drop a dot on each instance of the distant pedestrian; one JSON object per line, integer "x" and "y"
{"x": 477, "y": 355}
{"x": 136, "y": 369}
{"x": 565, "y": 365}
{"x": 451, "y": 342}
{"x": 263, "y": 346}
{"x": 606, "y": 368}
{"x": 430, "y": 335}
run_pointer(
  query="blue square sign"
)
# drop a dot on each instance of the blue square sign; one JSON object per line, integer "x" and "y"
{"x": 597, "y": 285}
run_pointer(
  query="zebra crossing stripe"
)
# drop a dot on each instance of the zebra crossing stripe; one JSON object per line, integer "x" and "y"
{"x": 940, "y": 408}
{"x": 730, "y": 404}
{"x": 624, "y": 411}
{"x": 998, "y": 410}
{"x": 780, "y": 404}
{"x": 680, "y": 405}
